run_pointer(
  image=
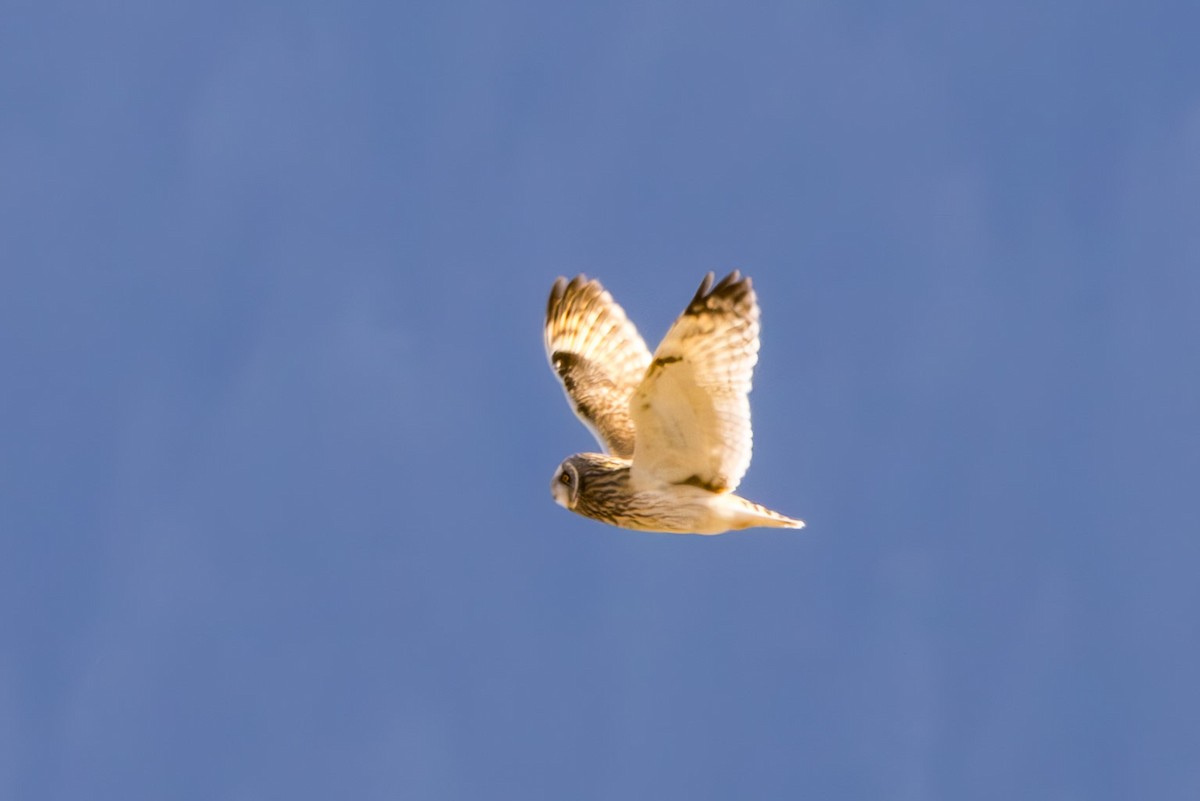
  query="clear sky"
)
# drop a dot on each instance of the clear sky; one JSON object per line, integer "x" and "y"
{"x": 278, "y": 430}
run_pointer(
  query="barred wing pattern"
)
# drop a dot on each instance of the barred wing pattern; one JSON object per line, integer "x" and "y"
{"x": 598, "y": 356}
{"x": 691, "y": 411}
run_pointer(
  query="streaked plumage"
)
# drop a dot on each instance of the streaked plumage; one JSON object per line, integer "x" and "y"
{"x": 675, "y": 425}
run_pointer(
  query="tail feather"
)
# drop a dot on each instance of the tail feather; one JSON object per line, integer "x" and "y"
{"x": 758, "y": 515}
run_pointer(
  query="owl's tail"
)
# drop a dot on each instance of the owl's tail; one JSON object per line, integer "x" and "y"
{"x": 753, "y": 514}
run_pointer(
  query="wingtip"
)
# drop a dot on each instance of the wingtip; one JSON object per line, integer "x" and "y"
{"x": 731, "y": 280}
{"x": 556, "y": 295}
{"x": 733, "y": 286}
{"x": 564, "y": 288}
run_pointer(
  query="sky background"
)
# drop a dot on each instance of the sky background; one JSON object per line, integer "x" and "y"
{"x": 278, "y": 430}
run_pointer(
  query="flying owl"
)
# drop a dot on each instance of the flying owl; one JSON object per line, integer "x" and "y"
{"x": 675, "y": 426}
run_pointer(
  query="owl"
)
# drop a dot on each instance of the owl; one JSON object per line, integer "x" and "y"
{"x": 675, "y": 426}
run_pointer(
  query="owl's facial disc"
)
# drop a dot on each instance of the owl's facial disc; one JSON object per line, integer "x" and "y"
{"x": 565, "y": 486}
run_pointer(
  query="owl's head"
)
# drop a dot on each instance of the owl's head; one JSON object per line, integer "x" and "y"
{"x": 587, "y": 482}
{"x": 565, "y": 485}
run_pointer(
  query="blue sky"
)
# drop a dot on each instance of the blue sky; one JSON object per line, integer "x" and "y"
{"x": 278, "y": 430}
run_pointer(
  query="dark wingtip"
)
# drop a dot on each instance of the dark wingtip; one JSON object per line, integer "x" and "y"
{"x": 731, "y": 286}
{"x": 727, "y": 282}
{"x": 705, "y": 285}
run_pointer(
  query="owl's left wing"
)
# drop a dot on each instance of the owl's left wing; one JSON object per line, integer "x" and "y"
{"x": 599, "y": 356}
{"x": 691, "y": 411}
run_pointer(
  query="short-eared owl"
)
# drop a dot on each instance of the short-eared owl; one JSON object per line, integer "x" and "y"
{"x": 675, "y": 425}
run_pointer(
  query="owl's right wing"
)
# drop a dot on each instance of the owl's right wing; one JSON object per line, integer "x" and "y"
{"x": 691, "y": 410}
{"x": 598, "y": 356}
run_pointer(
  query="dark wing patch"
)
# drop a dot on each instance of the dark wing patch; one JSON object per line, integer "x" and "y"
{"x": 696, "y": 481}
{"x": 591, "y": 393}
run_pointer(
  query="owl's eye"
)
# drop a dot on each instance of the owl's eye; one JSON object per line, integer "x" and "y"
{"x": 565, "y": 477}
